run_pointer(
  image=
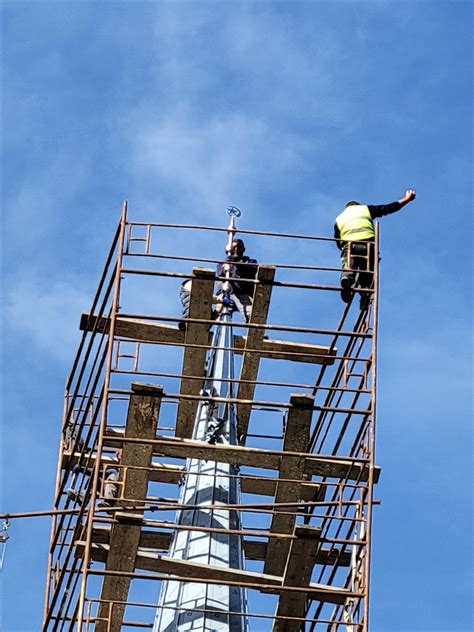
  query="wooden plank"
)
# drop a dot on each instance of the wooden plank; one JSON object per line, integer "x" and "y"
{"x": 147, "y": 331}
{"x": 160, "y": 541}
{"x": 301, "y": 560}
{"x": 296, "y": 439}
{"x": 291, "y": 351}
{"x": 266, "y": 459}
{"x": 254, "y": 340}
{"x": 333, "y": 556}
{"x": 171, "y": 474}
{"x": 267, "y": 487}
{"x": 256, "y": 550}
{"x": 159, "y": 472}
{"x": 155, "y": 540}
{"x": 200, "y": 306}
{"x": 253, "y": 549}
{"x": 185, "y": 570}
{"x": 339, "y": 468}
{"x": 141, "y": 330}
{"x": 142, "y": 418}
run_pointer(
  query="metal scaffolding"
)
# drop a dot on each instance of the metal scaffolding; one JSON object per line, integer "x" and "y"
{"x": 157, "y": 429}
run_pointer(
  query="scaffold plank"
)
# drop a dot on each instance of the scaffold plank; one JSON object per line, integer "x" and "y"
{"x": 290, "y": 351}
{"x": 160, "y": 541}
{"x": 299, "y": 567}
{"x": 194, "y": 358}
{"x": 253, "y": 340}
{"x": 142, "y": 418}
{"x": 296, "y": 439}
{"x": 318, "y": 465}
{"x": 148, "y": 331}
{"x": 158, "y": 472}
{"x": 267, "y": 487}
{"x": 140, "y": 330}
{"x": 170, "y": 473}
{"x": 189, "y": 571}
{"x": 255, "y": 550}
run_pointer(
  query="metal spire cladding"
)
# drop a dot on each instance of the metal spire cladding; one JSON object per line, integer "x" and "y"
{"x": 200, "y": 606}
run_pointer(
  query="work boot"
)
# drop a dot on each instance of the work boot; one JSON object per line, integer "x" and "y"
{"x": 74, "y": 496}
{"x": 346, "y": 294}
{"x": 106, "y": 503}
{"x": 364, "y": 301}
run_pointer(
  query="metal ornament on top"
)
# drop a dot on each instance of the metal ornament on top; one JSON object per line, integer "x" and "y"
{"x": 228, "y": 270}
{"x": 199, "y": 606}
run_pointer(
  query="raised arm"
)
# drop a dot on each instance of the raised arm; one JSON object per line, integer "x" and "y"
{"x": 380, "y": 210}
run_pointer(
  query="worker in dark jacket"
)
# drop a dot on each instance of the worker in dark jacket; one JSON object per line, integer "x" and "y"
{"x": 241, "y": 293}
{"x": 244, "y": 270}
{"x": 354, "y": 230}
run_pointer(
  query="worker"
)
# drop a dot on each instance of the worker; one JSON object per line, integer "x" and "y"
{"x": 241, "y": 295}
{"x": 72, "y": 442}
{"x": 354, "y": 231}
{"x": 243, "y": 268}
{"x": 108, "y": 482}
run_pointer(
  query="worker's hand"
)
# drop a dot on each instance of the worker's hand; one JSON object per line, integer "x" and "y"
{"x": 410, "y": 195}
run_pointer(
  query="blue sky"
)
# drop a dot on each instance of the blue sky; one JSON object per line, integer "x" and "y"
{"x": 287, "y": 110}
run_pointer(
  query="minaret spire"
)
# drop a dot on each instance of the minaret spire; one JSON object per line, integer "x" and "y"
{"x": 208, "y": 487}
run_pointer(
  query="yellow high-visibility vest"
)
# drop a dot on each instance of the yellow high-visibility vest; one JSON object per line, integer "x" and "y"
{"x": 355, "y": 223}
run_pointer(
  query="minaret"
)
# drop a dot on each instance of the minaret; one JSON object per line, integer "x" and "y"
{"x": 199, "y": 606}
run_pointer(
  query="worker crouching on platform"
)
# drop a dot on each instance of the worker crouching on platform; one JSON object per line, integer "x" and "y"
{"x": 108, "y": 488}
{"x": 244, "y": 270}
{"x": 354, "y": 230}
{"x": 241, "y": 295}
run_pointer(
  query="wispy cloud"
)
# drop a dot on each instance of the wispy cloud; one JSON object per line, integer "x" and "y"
{"x": 216, "y": 162}
{"x": 230, "y": 119}
{"x": 47, "y": 314}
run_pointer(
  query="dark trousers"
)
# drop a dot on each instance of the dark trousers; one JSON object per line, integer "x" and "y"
{"x": 360, "y": 257}
{"x": 241, "y": 302}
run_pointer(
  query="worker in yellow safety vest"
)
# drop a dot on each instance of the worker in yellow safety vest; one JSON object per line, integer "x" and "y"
{"x": 354, "y": 231}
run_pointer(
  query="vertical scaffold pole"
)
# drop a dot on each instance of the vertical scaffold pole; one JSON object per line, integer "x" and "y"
{"x": 199, "y": 606}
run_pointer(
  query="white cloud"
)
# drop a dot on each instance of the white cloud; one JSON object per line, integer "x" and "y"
{"x": 250, "y": 41}
{"x": 46, "y": 313}
{"x": 231, "y": 103}
{"x": 41, "y": 203}
{"x": 214, "y": 163}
